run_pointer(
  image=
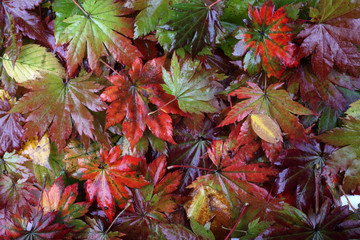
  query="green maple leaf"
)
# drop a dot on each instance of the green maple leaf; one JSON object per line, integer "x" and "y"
{"x": 194, "y": 22}
{"x": 99, "y": 31}
{"x": 149, "y": 17}
{"x": 190, "y": 87}
{"x": 330, "y": 9}
{"x": 56, "y": 106}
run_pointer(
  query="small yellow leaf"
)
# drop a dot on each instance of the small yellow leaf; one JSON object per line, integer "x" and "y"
{"x": 37, "y": 151}
{"x": 266, "y": 128}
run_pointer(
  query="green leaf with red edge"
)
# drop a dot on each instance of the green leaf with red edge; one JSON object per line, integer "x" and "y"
{"x": 303, "y": 161}
{"x": 97, "y": 229}
{"x": 315, "y": 90}
{"x": 151, "y": 203}
{"x": 195, "y": 23}
{"x": 193, "y": 137}
{"x": 16, "y": 194}
{"x": 273, "y": 102}
{"x": 232, "y": 175}
{"x": 101, "y": 30}
{"x": 55, "y": 105}
{"x": 328, "y": 224}
{"x": 267, "y": 42}
{"x": 130, "y": 96}
{"x": 109, "y": 178}
{"x": 11, "y": 130}
{"x": 37, "y": 226}
{"x": 61, "y": 198}
{"x": 332, "y": 40}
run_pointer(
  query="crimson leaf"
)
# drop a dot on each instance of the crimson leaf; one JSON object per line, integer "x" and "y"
{"x": 109, "y": 178}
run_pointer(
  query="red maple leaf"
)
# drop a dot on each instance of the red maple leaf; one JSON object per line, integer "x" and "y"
{"x": 130, "y": 98}
{"x": 109, "y": 178}
{"x": 152, "y": 203}
{"x": 36, "y": 226}
{"x": 233, "y": 175}
{"x": 267, "y": 41}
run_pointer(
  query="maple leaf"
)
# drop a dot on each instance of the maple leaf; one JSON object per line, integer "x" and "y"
{"x": 37, "y": 226}
{"x": 96, "y": 230}
{"x": 332, "y": 40}
{"x": 193, "y": 137}
{"x": 109, "y": 178}
{"x": 130, "y": 99}
{"x": 12, "y": 163}
{"x": 100, "y": 29}
{"x": 190, "y": 86}
{"x": 232, "y": 175}
{"x": 16, "y": 194}
{"x": 11, "y": 131}
{"x": 17, "y": 19}
{"x": 174, "y": 231}
{"x": 59, "y": 198}
{"x": 267, "y": 42}
{"x": 152, "y": 202}
{"x": 195, "y": 23}
{"x": 326, "y": 224}
{"x": 153, "y": 12}
{"x": 345, "y": 159}
{"x": 274, "y": 102}
{"x": 303, "y": 161}
{"x": 56, "y": 105}
{"x": 316, "y": 90}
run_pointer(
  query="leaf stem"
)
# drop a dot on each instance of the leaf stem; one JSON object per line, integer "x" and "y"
{"x": 183, "y": 166}
{"x": 347, "y": 199}
{"x": 80, "y": 8}
{"x": 162, "y": 106}
{"x": 126, "y": 207}
{"x": 209, "y": 7}
{"x": 110, "y": 67}
{"x": 237, "y": 222}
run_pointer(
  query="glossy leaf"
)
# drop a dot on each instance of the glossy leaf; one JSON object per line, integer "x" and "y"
{"x": 37, "y": 226}
{"x": 327, "y": 224}
{"x": 267, "y": 42}
{"x": 109, "y": 178}
{"x": 130, "y": 97}
{"x": 97, "y": 229}
{"x": 151, "y": 203}
{"x": 303, "y": 161}
{"x": 149, "y": 17}
{"x": 54, "y": 105}
{"x": 32, "y": 61}
{"x": 274, "y": 102}
{"x": 190, "y": 87}
{"x": 195, "y": 22}
{"x": 11, "y": 130}
{"x": 16, "y": 194}
{"x": 104, "y": 29}
{"x": 61, "y": 198}
{"x": 332, "y": 40}
{"x": 314, "y": 89}
{"x": 233, "y": 176}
